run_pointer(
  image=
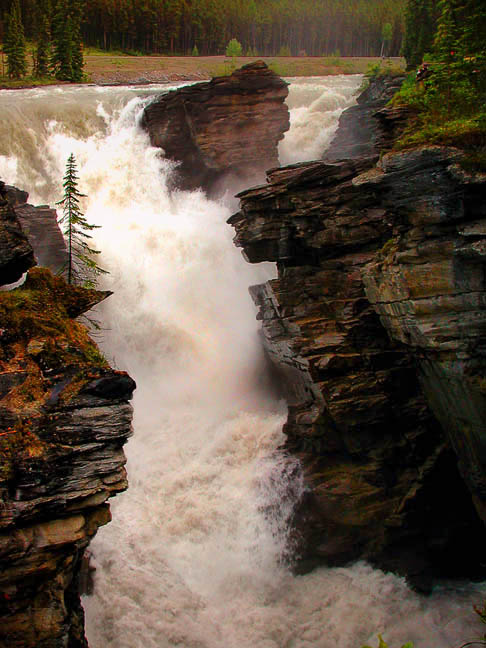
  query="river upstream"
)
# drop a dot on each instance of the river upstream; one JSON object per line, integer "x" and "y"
{"x": 196, "y": 555}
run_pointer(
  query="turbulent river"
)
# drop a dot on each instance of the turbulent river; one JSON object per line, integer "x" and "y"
{"x": 195, "y": 555}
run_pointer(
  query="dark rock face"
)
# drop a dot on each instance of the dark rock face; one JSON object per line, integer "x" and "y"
{"x": 429, "y": 290}
{"x": 42, "y": 230}
{"x": 64, "y": 417}
{"x": 229, "y": 125}
{"x": 368, "y": 127}
{"x": 352, "y": 242}
{"x": 16, "y": 254}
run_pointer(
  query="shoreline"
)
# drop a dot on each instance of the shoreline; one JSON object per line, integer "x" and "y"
{"x": 123, "y": 70}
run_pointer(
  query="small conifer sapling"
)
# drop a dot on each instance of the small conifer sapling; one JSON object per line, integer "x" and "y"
{"x": 81, "y": 268}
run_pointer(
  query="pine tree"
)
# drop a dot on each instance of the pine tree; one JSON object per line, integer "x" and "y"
{"x": 77, "y": 61}
{"x": 67, "y": 56}
{"x": 81, "y": 267}
{"x": 386, "y": 35}
{"x": 448, "y": 72}
{"x": 472, "y": 44}
{"x": 61, "y": 58}
{"x": 420, "y": 26}
{"x": 233, "y": 48}
{"x": 14, "y": 43}
{"x": 43, "y": 38}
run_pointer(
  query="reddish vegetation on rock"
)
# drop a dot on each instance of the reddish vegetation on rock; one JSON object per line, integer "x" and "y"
{"x": 229, "y": 125}
{"x": 64, "y": 417}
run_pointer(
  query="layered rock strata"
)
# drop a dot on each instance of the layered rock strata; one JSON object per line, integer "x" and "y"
{"x": 16, "y": 254}
{"x": 228, "y": 126}
{"x": 429, "y": 289}
{"x": 39, "y": 224}
{"x": 64, "y": 417}
{"x": 381, "y": 473}
{"x": 370, "y": 126}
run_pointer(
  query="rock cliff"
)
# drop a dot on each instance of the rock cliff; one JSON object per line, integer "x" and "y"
{"x": 227, "y": 126}
{"x": 360, "y": 133}
{"x": 16, "y": 253}
{"x": 64, "y": 417}
{"x": 376, "y": 324}
{"x": 39, "y": 224}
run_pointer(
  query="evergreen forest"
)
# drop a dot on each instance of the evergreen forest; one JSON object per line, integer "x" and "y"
{"x": 263, "y": 27}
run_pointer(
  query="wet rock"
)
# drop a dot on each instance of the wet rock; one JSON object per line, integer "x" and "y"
{"x": 376, "y": 324}
{"x": 429, "y": 292}
{"x": 64, "y": 417}
{"x": 368, "y": 127}
{"x": 16, "y": 254}
{"x": 227, "y": 126}
{"x": 41, "y": 228}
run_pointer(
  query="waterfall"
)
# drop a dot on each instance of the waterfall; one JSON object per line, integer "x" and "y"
{"x": 315, "y": 105}
{"x": 195, "y": 556}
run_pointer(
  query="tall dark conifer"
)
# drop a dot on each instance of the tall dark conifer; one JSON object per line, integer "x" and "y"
{"x": 14, "y": 43}
{"x": 67, "y": 56}
{"x": 43, "y": 38}
{"x": 76, "y": 12}
{"x": 473, "y": 43}
{"x": 420, "y": 26}
{"x": 61, "y": 58}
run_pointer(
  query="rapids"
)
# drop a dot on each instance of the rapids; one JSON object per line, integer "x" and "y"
{"x": 195, "y": 556}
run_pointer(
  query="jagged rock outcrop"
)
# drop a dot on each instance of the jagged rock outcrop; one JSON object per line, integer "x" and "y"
{"x": 64, "y": 417}
{"x": 429, "y": 289}
{"x": 39, "y": 224}
{"x": 370, "y": 126}
{"x": 16, "y": 254}
{"x": 355, "y": 243}
{"x": 229, "y": 125}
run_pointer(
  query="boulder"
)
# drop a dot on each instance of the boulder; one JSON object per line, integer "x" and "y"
{"x": 229, "y": 125}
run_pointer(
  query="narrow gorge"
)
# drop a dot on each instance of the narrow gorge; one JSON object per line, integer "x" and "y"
{"x": 261, "y": 480}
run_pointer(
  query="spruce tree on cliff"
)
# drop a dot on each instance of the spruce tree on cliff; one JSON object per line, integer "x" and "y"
{"x": 14, "y": 43}
{"x": 81, "y": 267}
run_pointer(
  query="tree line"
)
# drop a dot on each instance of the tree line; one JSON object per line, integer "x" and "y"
{"x": 447, "y": 96}
{"x": 56, "y": 32}
{"x": 263, "y": 27}
{"x": 453, "y": 30}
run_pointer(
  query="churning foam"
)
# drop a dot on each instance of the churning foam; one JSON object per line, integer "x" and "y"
{"x": 315, "y": 105}
{"x": 195, "y": 554}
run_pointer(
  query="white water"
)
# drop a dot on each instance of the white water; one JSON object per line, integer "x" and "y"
{"x": 315, "y": 106}
{"x": 192, "y": 558}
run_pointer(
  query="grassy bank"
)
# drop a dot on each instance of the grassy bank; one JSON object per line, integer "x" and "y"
{"x": 116, "y": 67}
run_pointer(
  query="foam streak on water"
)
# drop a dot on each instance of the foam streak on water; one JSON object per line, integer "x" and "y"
{"x": 315, "y": 106}
{"x": 192, "y": 558}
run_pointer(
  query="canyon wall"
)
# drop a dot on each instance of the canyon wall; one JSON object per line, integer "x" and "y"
{"x": 64, "y": 417}
{"x": 376, "y": 324}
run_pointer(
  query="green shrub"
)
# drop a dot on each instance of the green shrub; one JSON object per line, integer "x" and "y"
{"x": 234, "y": 48}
